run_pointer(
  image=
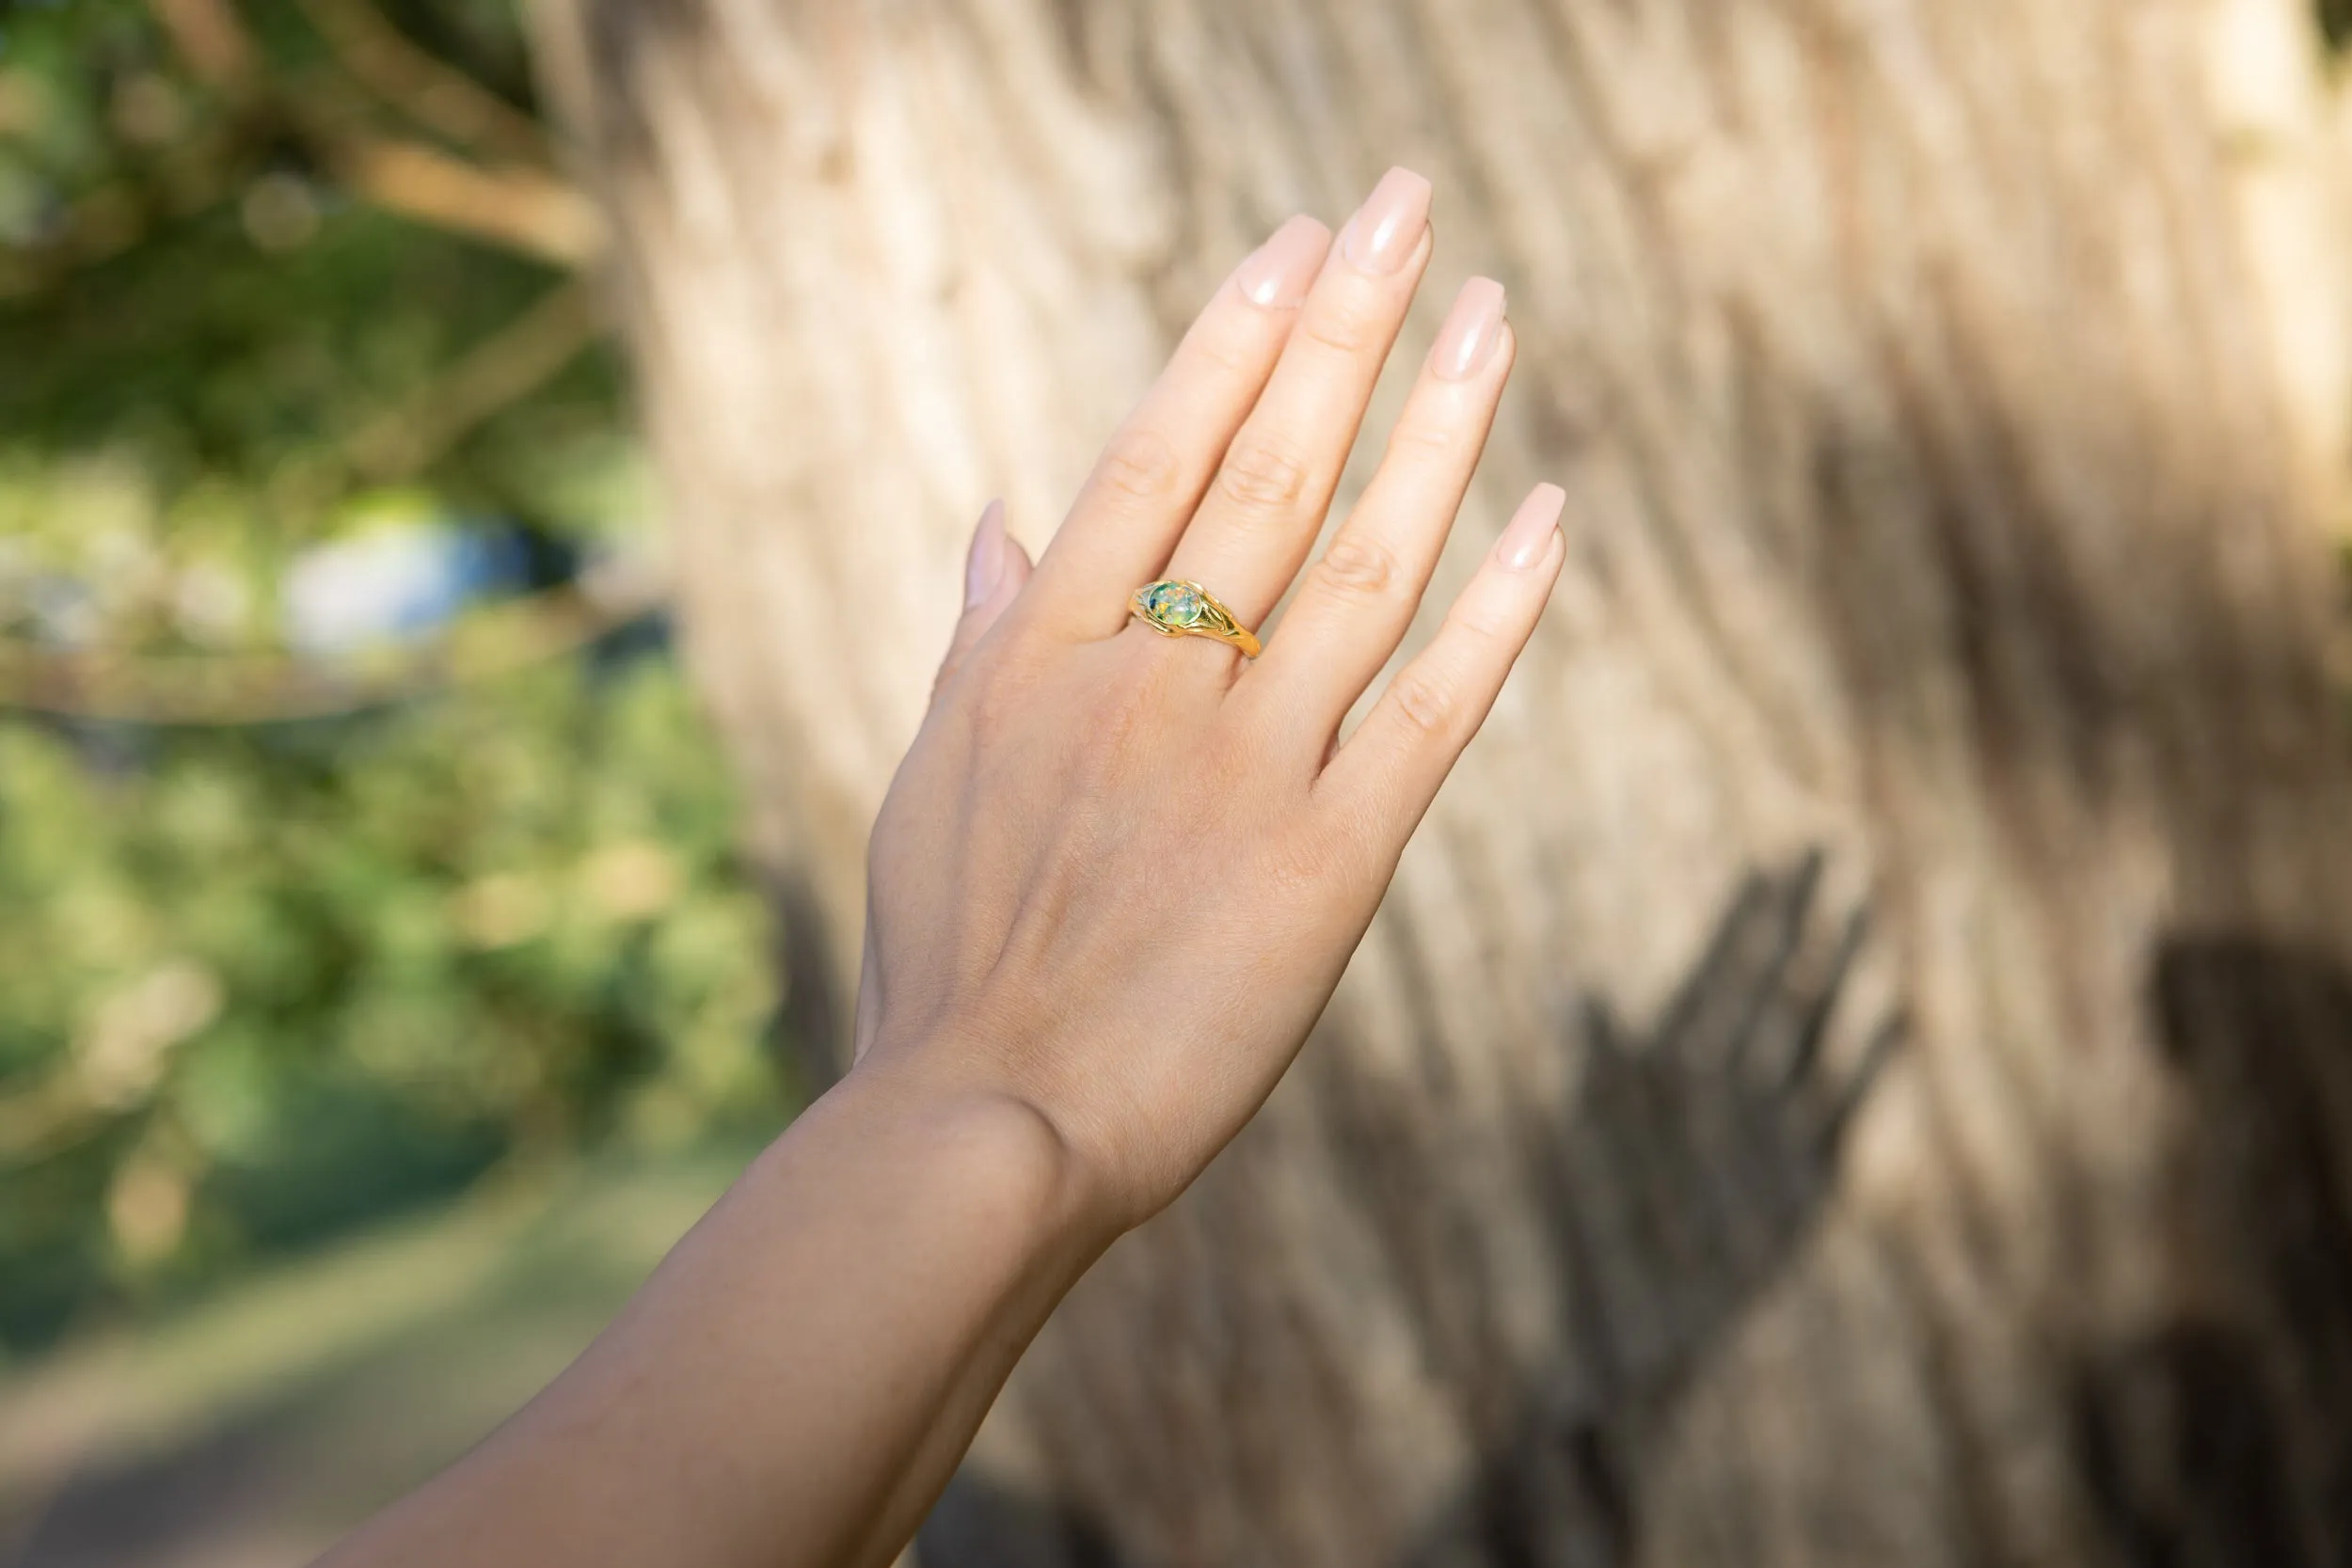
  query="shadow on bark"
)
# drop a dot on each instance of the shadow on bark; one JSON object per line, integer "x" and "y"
{"x": 981, "y": 1523}
{"x": 1694, "y": 1163}
{"x": 2221, "y": 1439}
{"x": 807, "y": 1038}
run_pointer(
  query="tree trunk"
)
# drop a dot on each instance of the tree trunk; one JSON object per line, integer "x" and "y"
{"x": 1937, "y": 683}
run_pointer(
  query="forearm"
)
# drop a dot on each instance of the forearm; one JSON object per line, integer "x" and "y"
{"x": 799, "y": 1379}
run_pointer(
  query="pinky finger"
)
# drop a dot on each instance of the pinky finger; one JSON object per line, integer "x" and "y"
{"x": 1390, "y": 770}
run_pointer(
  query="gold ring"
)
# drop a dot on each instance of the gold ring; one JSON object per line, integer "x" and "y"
{"x": 1189, "y": 609}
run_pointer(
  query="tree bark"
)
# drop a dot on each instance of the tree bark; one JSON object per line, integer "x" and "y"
{"x": 1937, "y": 684}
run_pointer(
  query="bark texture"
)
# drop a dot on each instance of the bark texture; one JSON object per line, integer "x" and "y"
{"x": 1853, "y": 1069}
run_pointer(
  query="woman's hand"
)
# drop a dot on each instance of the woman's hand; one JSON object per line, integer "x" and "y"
{"x": 1113, "y": 885}
{"x": 1119, "y": 874}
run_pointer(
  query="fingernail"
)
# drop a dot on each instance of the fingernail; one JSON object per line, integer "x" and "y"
{"x": 1389, "y": 224}
{"x": 1472, "y": 329}
{"x": 984, "y": 567}
{"x": 1279, "y": 273}
{"x": 1528, "y": 540}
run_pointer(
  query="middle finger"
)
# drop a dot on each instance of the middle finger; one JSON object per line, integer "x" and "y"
{"x": 1266, "y": 505}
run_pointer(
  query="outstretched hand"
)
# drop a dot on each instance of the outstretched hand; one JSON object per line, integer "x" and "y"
{"x": 1119, "y": 873}
{"x": 1112, "y": 887}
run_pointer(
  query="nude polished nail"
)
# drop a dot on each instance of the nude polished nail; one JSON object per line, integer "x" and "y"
{"x": 985, "y": 566}
{"x": 1279, "y": 273}
{"x": 1472, "y": 331}
{"x": 1528, "y": 540}
{"x": 1380, "y": 237}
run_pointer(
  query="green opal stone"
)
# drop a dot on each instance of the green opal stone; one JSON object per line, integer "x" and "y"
{"x": 1175, "y": 604}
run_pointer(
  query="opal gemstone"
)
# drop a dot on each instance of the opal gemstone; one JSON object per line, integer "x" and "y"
{"x": 1175, "y": 604}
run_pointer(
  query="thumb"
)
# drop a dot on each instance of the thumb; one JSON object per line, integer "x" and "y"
{"x": 994, "y": 573}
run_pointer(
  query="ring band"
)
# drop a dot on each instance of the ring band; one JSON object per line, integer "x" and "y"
{"x": 1189, "y": 609}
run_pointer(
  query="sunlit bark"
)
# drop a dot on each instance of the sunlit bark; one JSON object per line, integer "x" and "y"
{"x": 1948, "y": 497}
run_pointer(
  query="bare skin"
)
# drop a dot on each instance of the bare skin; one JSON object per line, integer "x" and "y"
{"x": 1112, "y": 888}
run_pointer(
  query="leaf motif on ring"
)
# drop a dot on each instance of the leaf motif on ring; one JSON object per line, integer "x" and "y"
{"x": 1180, "y": 608}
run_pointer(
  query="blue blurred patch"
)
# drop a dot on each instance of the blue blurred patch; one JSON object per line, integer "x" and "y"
{"x": 396, "y": 583}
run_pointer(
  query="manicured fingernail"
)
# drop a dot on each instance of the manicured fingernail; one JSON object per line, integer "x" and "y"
{"x": 1472, "y": 329}
{"x": 985, "y": 566}
{"x": 1382, "y": 235}
{"x": 1279, "y": 273}
{"x": 1528, "y": 540}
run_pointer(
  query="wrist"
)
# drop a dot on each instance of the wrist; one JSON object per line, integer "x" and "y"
{"x": 993, "y": 1140}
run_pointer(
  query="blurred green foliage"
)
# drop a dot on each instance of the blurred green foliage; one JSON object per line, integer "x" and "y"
{"x": 259, "y": 987}
{"x": 262, "y": 982}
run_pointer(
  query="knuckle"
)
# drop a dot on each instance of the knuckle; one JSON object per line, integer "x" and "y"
{"x": 1229, "y": 351}
{"x": 1424, "y": 439}
{"x": 1128, "y": 703}
{"x": 1299, "y": 864}
{"x": 989, "y": 679}
{"x": 1424, "y": 702}
{"x": 1137, "y": 465}
{"x": 1263, "y": 475}
{"x": 1327, "y": 849}
{"x": 1213, "y": 781}
{"x": 1487, "y": 627}
{"x": 991, "y": 697}
{"x": 1348, "y": 327}
{"x": 1358, "y": 567}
